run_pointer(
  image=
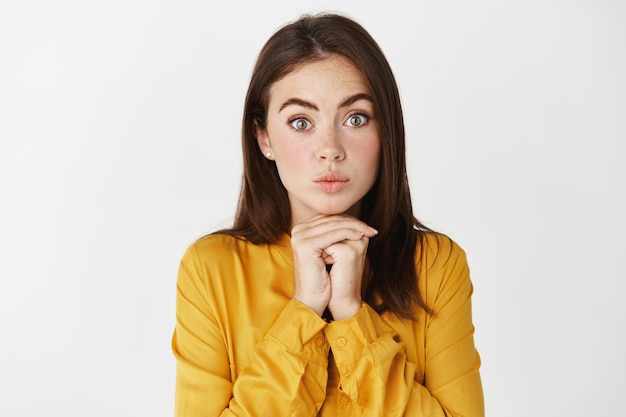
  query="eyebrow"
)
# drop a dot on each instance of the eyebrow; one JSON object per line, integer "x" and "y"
{"x": 353, "y": 99}
{"x": 348, "y": 101}
{"x": 298, "y": 102}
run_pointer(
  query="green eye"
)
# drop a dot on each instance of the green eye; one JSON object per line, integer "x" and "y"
{"x": 357, "y": 120}
{"x": 300, "y": 124}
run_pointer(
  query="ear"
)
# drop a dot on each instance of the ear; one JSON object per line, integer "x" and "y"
{"x": 263, "y": 141}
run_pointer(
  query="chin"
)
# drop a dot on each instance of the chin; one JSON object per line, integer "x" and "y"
{"x": 349, "y": 209}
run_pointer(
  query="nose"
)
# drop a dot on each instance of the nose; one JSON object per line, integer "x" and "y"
{"x": 330, "y": 148}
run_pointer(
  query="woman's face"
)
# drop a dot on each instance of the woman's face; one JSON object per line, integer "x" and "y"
{"x": 324, "y": 137}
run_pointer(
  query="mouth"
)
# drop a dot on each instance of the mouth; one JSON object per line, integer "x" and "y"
{"x": 331, "y": 182}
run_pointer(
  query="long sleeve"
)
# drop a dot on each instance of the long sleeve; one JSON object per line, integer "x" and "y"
{"x": 370, "y": 352}
{"x": 283, "y": 373}
{"x": 244, "y": 348}
{"x": 288, "y": 374}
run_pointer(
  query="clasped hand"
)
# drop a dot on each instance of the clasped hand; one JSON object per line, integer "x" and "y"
{"x": 337, "y": 240}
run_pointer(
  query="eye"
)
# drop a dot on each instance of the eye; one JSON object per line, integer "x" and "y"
{"x": 357, "y": 120}
{"x": 300, "y": 124}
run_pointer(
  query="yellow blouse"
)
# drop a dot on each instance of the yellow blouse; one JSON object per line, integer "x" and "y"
{"x": 245, "y": 348}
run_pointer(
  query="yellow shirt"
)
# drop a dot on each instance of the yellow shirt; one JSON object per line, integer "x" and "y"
{"x": 245, "y": 348}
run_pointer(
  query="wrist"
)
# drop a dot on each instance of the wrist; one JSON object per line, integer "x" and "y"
{"x": 317, "y": 307}
{"x": 345, "y": 310}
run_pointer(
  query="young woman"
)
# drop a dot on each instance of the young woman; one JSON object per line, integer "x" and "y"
{"x": 327, "y": 297}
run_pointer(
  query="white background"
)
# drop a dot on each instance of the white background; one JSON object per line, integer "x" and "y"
{"x": 119, "y": 146}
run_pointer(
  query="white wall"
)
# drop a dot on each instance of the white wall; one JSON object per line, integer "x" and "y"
{"x": 119, "y": 145}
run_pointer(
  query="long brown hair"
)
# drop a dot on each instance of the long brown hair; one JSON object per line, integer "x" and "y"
{"x": 263, "y": 212}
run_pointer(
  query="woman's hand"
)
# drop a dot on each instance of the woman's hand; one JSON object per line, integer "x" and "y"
{"x": 337, "y": 240}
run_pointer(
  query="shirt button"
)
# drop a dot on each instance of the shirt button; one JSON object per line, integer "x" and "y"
{"x": 320, "y": 342}
{"x": 341, "y": 342}
{"x": 344, "y": 400}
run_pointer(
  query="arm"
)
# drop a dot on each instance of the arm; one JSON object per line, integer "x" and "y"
{"x": 373, "y": 366}
{"x": 288, "y": 370}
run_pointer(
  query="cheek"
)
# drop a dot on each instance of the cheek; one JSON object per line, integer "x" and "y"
{"x": 292, "y": 153}
{"x": 291, "y": 163}
{"x": 374, "y": 151}
{"x": 372, "y": 156}
{"x": 369, "y": 154}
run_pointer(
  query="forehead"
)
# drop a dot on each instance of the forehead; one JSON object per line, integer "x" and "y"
{"x": 334, "y": 75}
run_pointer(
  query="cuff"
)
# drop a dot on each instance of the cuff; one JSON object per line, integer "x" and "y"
{"x": 299, "y": 330}
{"x": 348, "y": 338}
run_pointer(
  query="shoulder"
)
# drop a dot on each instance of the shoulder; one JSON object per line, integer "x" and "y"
{"x": 442, "y": 266}
{"x": 213, "y": 262}
{"x": 219, "y": 243}
{"x": 436, "y": 250}
{"x": 219, "y": 251}
{"x": 214, "y": 248}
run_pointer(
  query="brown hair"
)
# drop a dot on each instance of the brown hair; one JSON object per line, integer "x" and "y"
{"x": 263, "y": 212}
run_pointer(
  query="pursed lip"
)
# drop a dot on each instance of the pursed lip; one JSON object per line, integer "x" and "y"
{"x": 331, "y": 176}
{"x": 331, "y": 182}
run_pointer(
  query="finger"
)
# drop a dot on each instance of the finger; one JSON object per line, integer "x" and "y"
{"x": 320, "y": 239}
{"x": 327, "y": 258}
{"x": 337, "y": 218}
{"x": 347, "y": 249}
{"x": 325, "y": 224}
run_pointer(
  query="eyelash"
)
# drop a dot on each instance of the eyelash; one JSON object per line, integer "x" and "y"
{"x": 294, "y": 119}
{"x": 363, "y": 114}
